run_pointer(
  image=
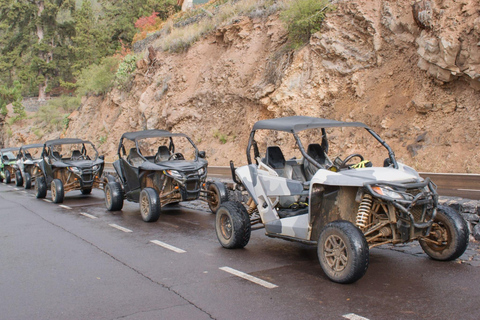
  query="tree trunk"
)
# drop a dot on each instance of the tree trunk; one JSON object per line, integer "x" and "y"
{"x": 40, "y": 34}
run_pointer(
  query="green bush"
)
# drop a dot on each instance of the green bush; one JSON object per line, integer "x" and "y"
{"x": 303, "y": 18}
{"x": 125, "y": 70}
{"x": 50, "y": 118}
{"x": 66, "y": 103}
{"x": 97, "y": 78}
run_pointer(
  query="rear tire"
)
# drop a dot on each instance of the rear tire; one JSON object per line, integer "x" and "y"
{"x": 8, "y": 177}
{"x": 28, "y": 181}
{"x": 149, "y": 205}
{"x": 18, "y": 178}
{"x": 452, "y": 230}
{"x": 343, "y": 252}
{"x": 220, "y": 195}
{"x": 40, "y": 187}
{"x": 113, "y": 196}
{"x": 86, "y": 191}
{"x": 232, "y": 225}
{"x": 58, "y": 192}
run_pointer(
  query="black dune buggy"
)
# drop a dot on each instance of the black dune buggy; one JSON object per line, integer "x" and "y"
{"x": 153, "y": 172}
{"x": 66, "y": 165}
{"x": 28, "y": 157}
{"x": 8, "y": 165}
{"x": 343, "y": 207}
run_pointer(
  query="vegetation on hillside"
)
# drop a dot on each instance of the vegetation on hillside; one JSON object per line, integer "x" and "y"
{"x": 54, "y": 47}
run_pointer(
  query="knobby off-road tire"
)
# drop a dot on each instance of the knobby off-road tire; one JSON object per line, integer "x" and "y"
{"x": 113, "y": 196}
{"x": 232, "y": 225}
{"x": 149, "y": 205}
{"x": 18, "y": 178}
{"x": 343, "y": 252}
{"x": 86, "y": 191}
{"x": 452, "y": 230}
{"x": 57, "y": 190}
{"x": 8, "y": 177}
{"x": 40, "y": 187}
{"x": 220, "y": 195}
{"x": 28, "y": 181}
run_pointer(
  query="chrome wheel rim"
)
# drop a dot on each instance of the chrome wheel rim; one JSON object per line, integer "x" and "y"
{"x": 144, "y": 205}
{"x": 226, "y": 226}
{"x": 54, "y": 191}
{"x": 336, "y": 253}
{"x": 108, "y": 196}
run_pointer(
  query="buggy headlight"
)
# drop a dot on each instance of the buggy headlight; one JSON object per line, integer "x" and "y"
{"x": 201, "y": 171}
{"x": 75, "y": 170}
{"x": 389, "y": 192}
{"x": 95, "y": 167}
{"x": 174, "y": 174}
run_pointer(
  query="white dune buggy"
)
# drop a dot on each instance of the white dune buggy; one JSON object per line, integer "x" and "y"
{"x": 345, "y": 209}
{"x": 28, "y": 158}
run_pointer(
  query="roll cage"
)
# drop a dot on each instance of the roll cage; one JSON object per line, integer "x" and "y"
{"x": 297, "y": 124}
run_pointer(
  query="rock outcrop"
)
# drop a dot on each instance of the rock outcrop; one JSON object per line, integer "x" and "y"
{"x": 404, "y": 69}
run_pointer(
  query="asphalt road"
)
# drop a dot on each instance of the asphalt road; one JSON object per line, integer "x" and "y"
{"x": 76, "y": 262}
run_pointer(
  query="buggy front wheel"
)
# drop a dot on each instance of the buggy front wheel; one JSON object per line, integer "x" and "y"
{"x": 448, "y": 238}
{"x": 8, "y": 177}
{"x": 18, "y": 178}
{"x": 149, "y": 205}
{"x": 218, "y": 194}
{"x": 232, "y": 225}
{"x": 40, "y": 187}
{"x": 113, "y": 196}
{"x": 58, "y": 191}
{"x": 28, "y": 180}
{"x": 343, "y": 252}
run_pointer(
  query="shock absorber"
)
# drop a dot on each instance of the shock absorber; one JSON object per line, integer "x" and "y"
{"x": 364, "y": 211}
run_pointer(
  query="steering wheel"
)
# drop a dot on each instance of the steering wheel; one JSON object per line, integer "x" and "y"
{"x": 350, "y": 157}
{"x": 176, "y": 156}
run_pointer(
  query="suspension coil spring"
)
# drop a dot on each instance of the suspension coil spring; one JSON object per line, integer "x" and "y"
{"x": 363, "y": 213}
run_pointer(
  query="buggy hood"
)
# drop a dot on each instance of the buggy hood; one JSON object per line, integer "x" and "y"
{"x": 179, "y": 165}
{"x": 83, "y": 164}
{"x": 358, "y": 177}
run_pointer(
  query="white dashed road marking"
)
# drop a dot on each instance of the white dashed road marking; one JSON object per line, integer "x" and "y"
{"x": 16, "y": 189}
{"x": 249, "y": 277}
{"x": 353, "y": 316}
{"x": 46, "y": 200}
{"x": 88, "y": 215}
{"x": 65, "y": 207}
{"x": 24, "y": 191}
{"x": 116, "y": 226}
{"x": 167, "y": 246}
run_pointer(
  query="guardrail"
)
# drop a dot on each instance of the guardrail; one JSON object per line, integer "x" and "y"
{"x": 449, "y": 184}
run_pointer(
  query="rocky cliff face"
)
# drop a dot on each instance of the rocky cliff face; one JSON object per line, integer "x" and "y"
{"x": 412, "y": 73}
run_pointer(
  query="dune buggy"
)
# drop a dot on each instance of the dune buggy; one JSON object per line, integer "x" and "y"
{"x": 28, "y": 157}
{"x": 343, "y": 208}
{"x": 8, "y": 165}
{"x": 66, "y": 165}
{"x": 156, "y": 168}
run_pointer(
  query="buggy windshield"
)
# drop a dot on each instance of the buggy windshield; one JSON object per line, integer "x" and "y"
{"x": 83, "y": 150}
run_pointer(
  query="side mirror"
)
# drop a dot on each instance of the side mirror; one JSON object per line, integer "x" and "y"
{"x": 101, "y": 157}
{"x": 202, "y": 154}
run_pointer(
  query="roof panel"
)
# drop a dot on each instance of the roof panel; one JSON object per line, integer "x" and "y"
{"x": 300, "y": 123}
{"x": 54, "y": 142}
{"x": 150, "y": 134}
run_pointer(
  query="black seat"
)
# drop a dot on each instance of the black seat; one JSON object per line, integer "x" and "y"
{"x": 134, "y": 157}
{"x": 28, "y": 156}
{"x": 163, "y": 154}
{"x": 76, "y": 155}
{"x": 275, "y": 158}
{"x": 57, "y": 155}
{"x": 315, "y": 151}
